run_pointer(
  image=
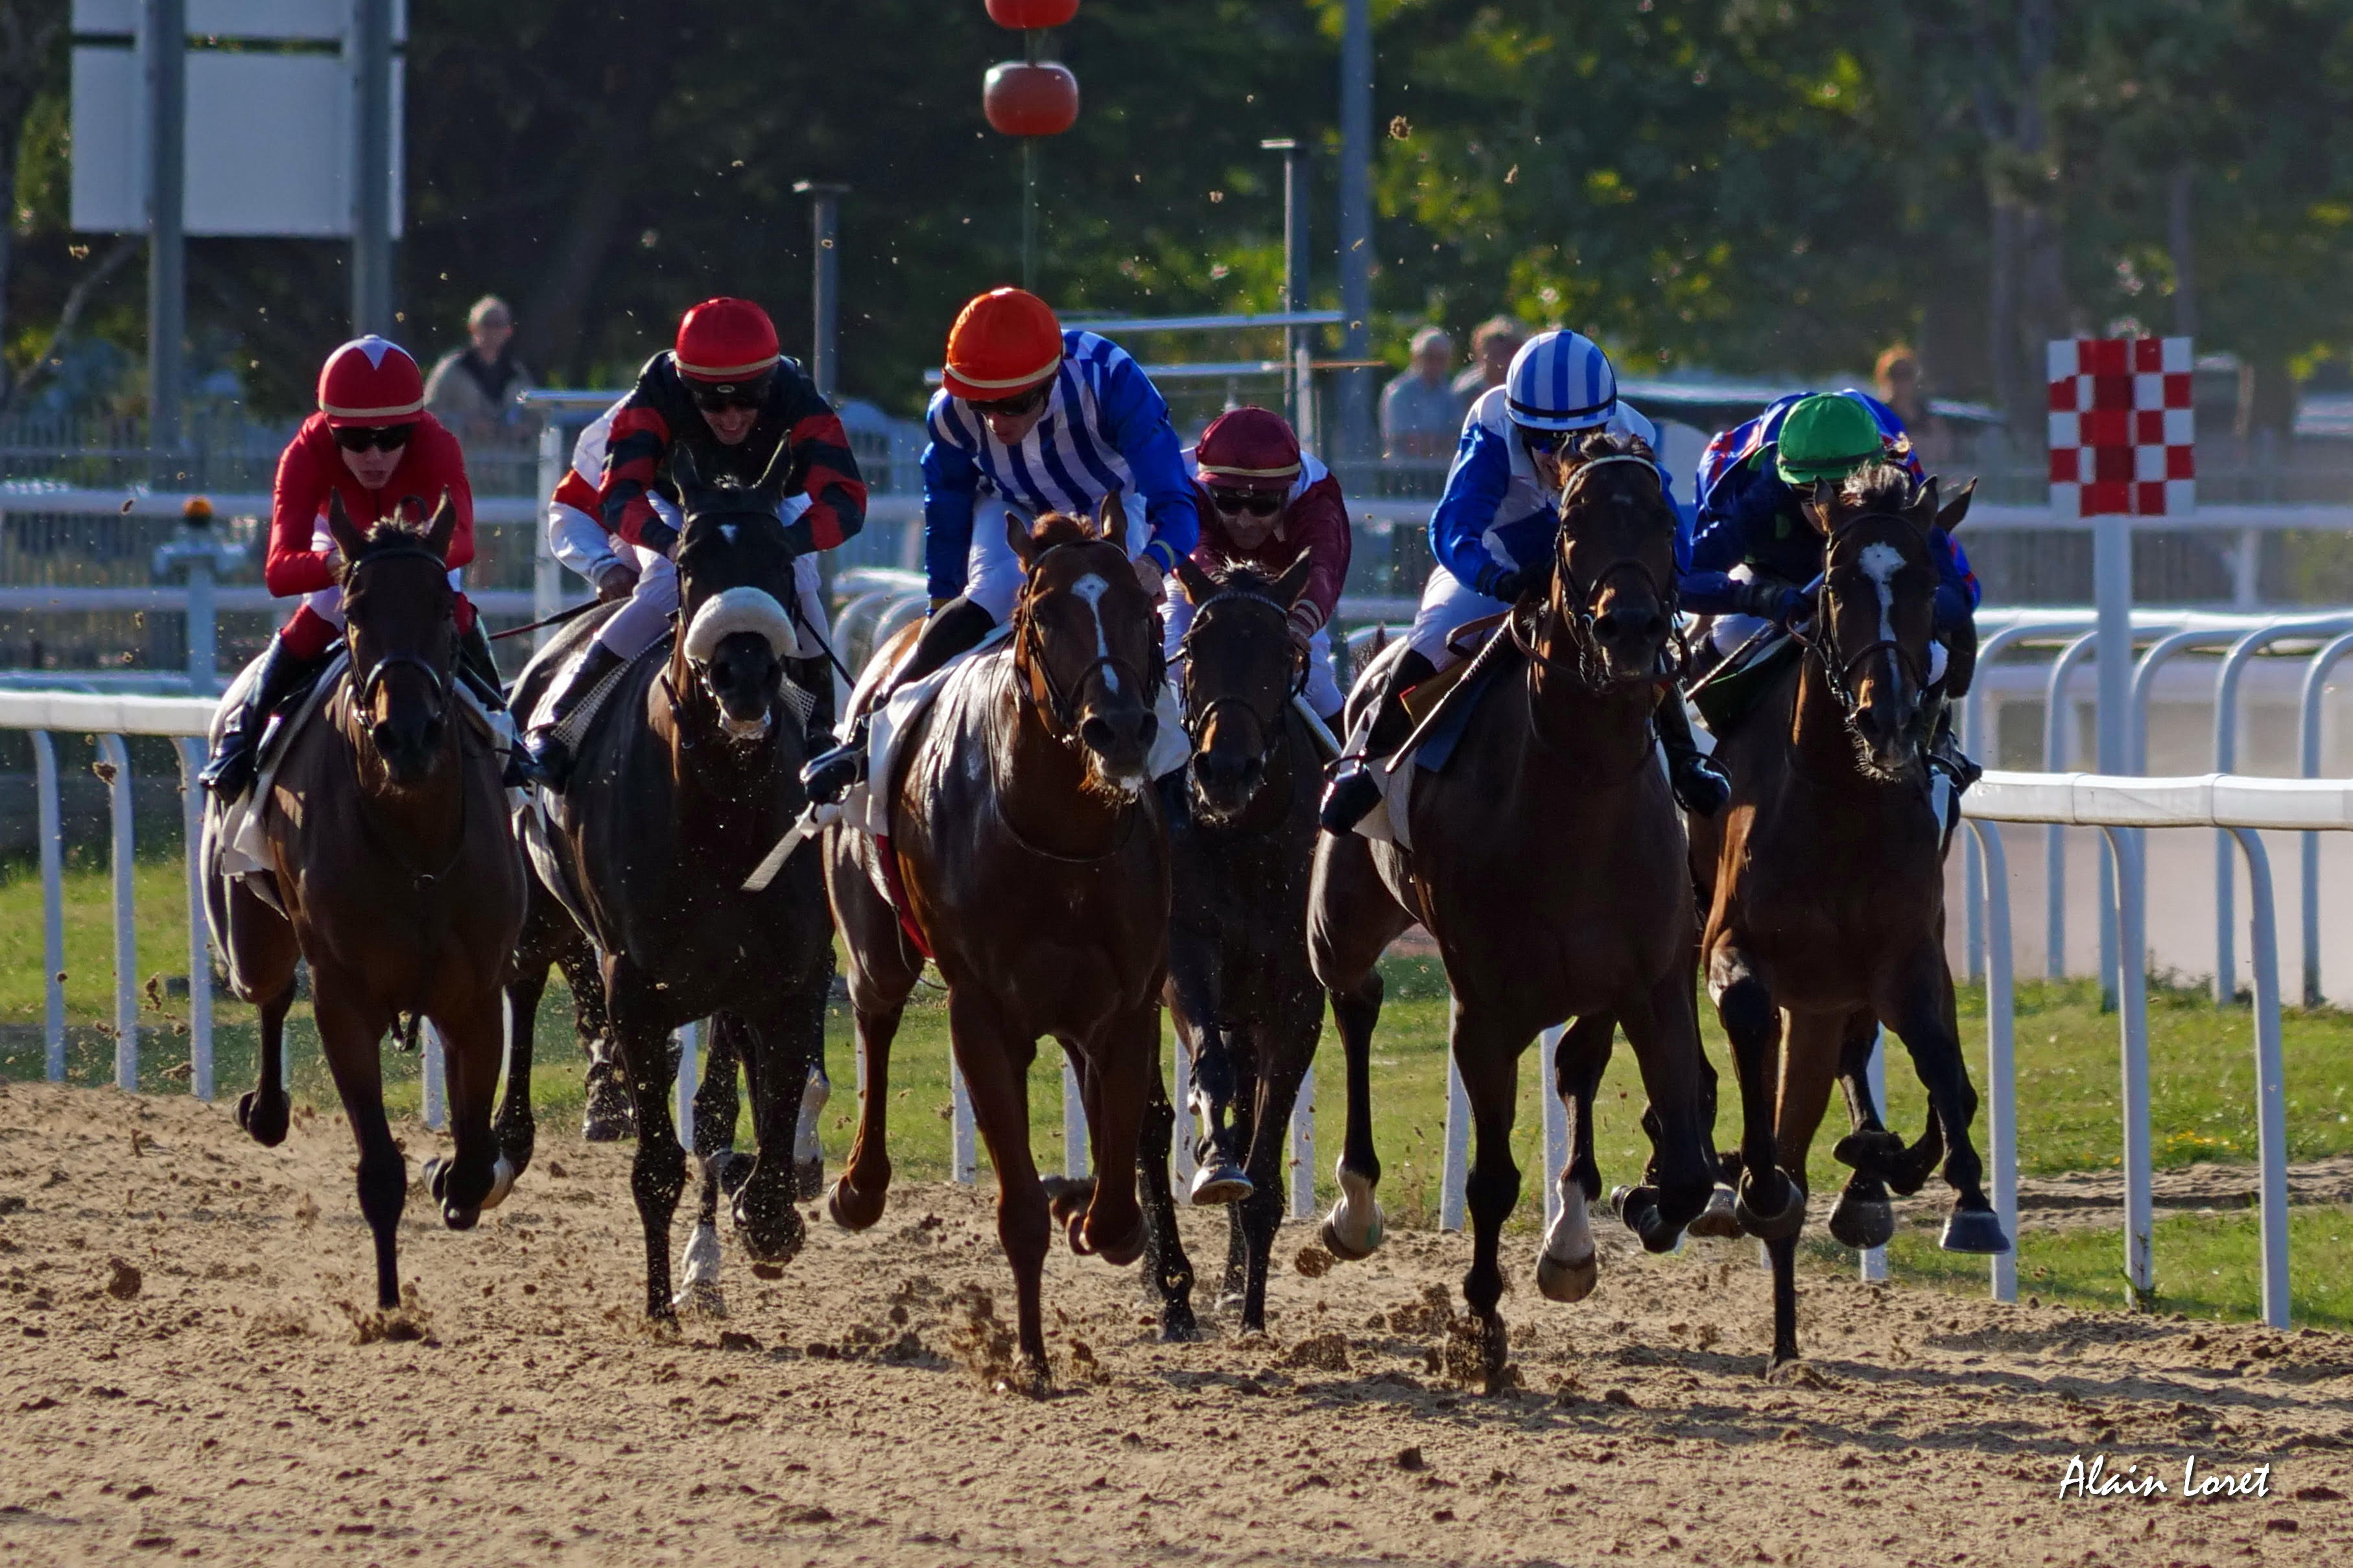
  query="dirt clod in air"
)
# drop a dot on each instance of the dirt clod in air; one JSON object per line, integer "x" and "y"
{"x": 1313, "y": 1262}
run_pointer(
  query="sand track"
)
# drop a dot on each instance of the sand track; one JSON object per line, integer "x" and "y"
{"x": 225, "y": 1412}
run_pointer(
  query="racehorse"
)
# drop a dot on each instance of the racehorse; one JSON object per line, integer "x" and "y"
{"x": 687, "y": 774}
{"x": 1548, "y": 859}
{"x": 1241, "y": 832}
{"x": 1825, "y": 890}
{"x": 398, "y": 879}
{"x": 1034, "y": 864}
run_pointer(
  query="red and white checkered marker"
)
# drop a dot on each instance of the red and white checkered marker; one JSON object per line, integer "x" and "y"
{"x": 2122, "y": 427}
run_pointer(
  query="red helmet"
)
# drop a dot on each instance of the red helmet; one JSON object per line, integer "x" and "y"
{"x": 727, "y": 340}
{"x": 1248, "y": 449}
{"x": 370, "y": 381}
{"x": 1003, "y": 343}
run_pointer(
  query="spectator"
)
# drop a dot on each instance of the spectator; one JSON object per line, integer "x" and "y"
{"x": 1492, "y": 343}
{"x": 1897, "y": 379}
{"x": 1420, "y": 416}
{"x": 473, "y": 390}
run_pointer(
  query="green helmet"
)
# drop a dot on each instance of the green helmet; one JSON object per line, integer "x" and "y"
{"x": 1826, "y": 436}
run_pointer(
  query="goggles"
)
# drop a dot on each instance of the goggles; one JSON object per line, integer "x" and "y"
{"x": 1020, "y": 403}
{"x": 719, "y": 396}
{"x": 378, "y": 437}
{"x": 1258, "y": 503}
{"x": 1550, "y": 443}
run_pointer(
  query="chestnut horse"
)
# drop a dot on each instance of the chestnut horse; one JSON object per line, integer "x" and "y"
{"x": 1241, "y": 841}
{"x": 1825, "y": 888}
{"x": 687, "y": 774}
{"x": 1547, "y": 861}
{"x": 1034, "y": 863}
{"x": 399, "y": 881}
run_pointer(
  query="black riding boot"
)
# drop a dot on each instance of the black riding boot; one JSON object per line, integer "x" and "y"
{"x": 544, "y": 757}
{"x": 1701, "y": 788}
{"x": 1356, "y": 784}
{"x": 953, "y": 629}
{"x": 230, "y": 773}
{"x": 478, "y": 666}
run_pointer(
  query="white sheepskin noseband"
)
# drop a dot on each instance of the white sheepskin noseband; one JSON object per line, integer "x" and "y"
{"x": 739, "y": 610}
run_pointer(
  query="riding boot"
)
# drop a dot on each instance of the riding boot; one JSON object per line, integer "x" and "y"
{"x": 230, "y": 773}
{"x": 1701, "y": 787}
{"x": 1944, "y": 748}
{"x": 545, "y": 757}
{"x": 955, "y": 628}
{"x": 1356, "y": 782}
{"x": 478, "y": 666}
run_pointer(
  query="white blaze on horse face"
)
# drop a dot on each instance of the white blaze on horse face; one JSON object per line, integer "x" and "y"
{"x": 1091, "y": 588}
{"x": 727, "y": 532}
{"x": 1880, "y": 563}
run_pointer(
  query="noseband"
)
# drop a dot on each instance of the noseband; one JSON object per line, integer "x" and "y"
{"x": 374, "y": 677}
{"x": 1030, "y": 656}
{"x": 1271, "y": 727}
{"x": 1838, "y": 664}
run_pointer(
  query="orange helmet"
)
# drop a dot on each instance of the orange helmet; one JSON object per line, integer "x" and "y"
{"x": 370, "y": 381}
{"x": 727, "y": 340}
{"x": 1003, "y": 343}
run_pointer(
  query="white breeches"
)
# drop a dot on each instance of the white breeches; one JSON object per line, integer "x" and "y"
{"x": 1323, "y": 691}
{"x": 637, "y": 625}
{"x": 1727, "y": 633}
{"x": 993, "y": 572}
{"x": 1447, "y": 602}
{"x": 327, "y": 603}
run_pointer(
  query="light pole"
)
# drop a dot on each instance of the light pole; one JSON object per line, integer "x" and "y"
{"x": 167, "y": 23}
{"x": 824, "y": 285}
{"x": 1295, "y": 276}
{"x": 1357, "y": 227}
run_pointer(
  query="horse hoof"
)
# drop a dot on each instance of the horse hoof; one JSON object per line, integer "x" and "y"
{"x": 1124, "y": 1250}
{"x": 1974, "y": 1230}
{"x": 503, "y": 1173}
{"x": 1873, "y": 1153}
{"x": 808, "y": 1179}
{"x": 264, "y": 1116}
{"x": 851, "y": 1209}
{"x": 702, "y": 1299}
{"x": 436, "y": 1177}
{"x": 460, "y": 1216}
{"x": 1067, "y": 1197}
{"x": 772, "y": 1234}
{"x": 1562, "y": 1281}
{"x": 1179, "y": 1326}
{"x": 597, "y": 1127}
{"x": 1719, "y": 1219}
{"x": 1863, "y": 1223}
{"x": 1771, "y": 1226}
{"x": 730, "y": 1169}
{"x": 1220, "y": 1183}
{"x": 1347, "y": 1251}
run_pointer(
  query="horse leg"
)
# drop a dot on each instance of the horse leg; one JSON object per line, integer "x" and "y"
{"x": 702, "y": 1265}
{"x": 1281, "y": 1052}
{"x": 1918, "y": 1006}
{"x": 263, "y": 943}
{"x": 1489, "y": 1061}
{"x": 1864, "y": 1218}
{"x": 351, "y": 1039}
{"x": 1351, "y": 920}
{"x": 1245, "y": 1092}
{"x": 1568, "y": 1267}
{"x": 1770, "y": 1203}
{"x": 1809, "y": 1062}
{"x": 1353, "y": 1229}
{"x": 482, "y": 1175}
{"x": 1165, "y": 1263}
{"x": 518, "y": 1129}
{"x": 658, "y": 1170}
{"x": 1117, "y": 1067}
{"x": 808, "y": 1123}
{"x": 780, "y": 1054}
{"x": 995, "y": 1068}
{"x": 1663, "y": 1028}
{"x": 883, "y": 974}
{"x": 607, "y": 1117}
{"x": 1219, "y": 1177}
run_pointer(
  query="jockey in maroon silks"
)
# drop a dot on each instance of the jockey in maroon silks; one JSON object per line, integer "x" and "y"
{"x": 373, "y": 444}
{"x": 1262, "y": 502}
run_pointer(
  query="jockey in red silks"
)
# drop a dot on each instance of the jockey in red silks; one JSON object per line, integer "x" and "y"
{"x": 1262, "y": 501}
{"x": 372, "y": 443}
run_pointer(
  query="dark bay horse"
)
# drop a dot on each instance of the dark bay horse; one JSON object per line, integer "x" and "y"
{"x": 399, "y": 879}
{"x": 1035, "y": 864}
{"x": 1241, "y": 841}
{"x": 1547, "y": 861}
{"x": 687, "y": 776}
{"x": 1825, "y": 890}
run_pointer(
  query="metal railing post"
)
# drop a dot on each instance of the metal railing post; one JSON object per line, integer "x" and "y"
{"x": 433, "y": 1071}
{"x": 690, "y": 1078}
{"x": 113, "y": 755}
{"x": 1977, "y": 743}
{"x": 1556, "y": 1120}
{"x": 2132, "y": 1010}
{"x": 200, "y": 949}
{"x": 1075, "y": 1162}
{"x": 2308, "y": 742}
{"x": 1181, "y": 1149}
{"x": 1454, "y": 1174}
{"x": 963, "y": 1145}
{"x": 1303, "y": 1149}
{"x": 2058, "y": 713}
{"x": 546, "y": 572}
{"x": 2001, "y": 1066}
{"x": 2271, "y": 1079}
{"x": 53, "y": 904}
{"x": 1873, "y": 1261}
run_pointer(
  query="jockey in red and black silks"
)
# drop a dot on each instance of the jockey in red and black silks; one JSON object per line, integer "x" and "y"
{"x": 371, "y": 442}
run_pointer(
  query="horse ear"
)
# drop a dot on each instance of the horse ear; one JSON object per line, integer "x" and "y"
{"x": 445, "y": 524}
{"x": 1110, "y": 520}
{"x": 1294, "y": 581}
{"x": 1922, "y": 510}
{"x": 339, "y": 527}
{"x": 1950, "y": 517}
{"x": 1197, "y": 583}
{"x": 1017, "y": 534}
{"x": 1819, "y": 505}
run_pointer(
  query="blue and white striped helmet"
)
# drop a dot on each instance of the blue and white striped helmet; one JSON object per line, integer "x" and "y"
{"x": 1561, "y": 381}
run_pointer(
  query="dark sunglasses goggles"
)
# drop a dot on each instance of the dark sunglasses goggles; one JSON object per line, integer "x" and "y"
{"x": 716, "y": 396}
{"x": 378, "y": 438}
{"x": 1019, "y": 404}
{"x": 1258, "y": 503}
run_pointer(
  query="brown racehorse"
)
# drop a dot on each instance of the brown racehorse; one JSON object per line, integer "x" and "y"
{"x": 1241, "y": 839}
{"x": 687, "y": 776}
{"x": 400, "y": 878}
{"x": 1547, "y": 861}
{"x": 1035, "y": 864}
{"x": 1824, "y": 882}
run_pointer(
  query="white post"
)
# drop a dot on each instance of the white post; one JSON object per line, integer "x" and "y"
{"x": 1454, "y": 1177}
{"x": 1185, "y": 1134}
{"x": 53, "y": 903}
{"x": 1303, "y": 1149}
{"x": 2271, "y": 1080}
{"x": 962, "y": 1146}
{"x": 2132, "y": 1016}
{"x": 2308, "y": 738}
{"x": 546, "y": 572}
{"x": 1874, "y": 1074}
{"x": 689, "y": 1075}
{"x": 200, "y": 951}
{"x": 112, "y": 754}
{"x": 1075, "y": 1162}
{"x": 2001, "y": 1067}
{"x": 433, "y": 1068}
{"x": 1556, "y": 1120}
{"x": 2058, "y": 713}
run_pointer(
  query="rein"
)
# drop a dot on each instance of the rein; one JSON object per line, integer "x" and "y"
{"x": 1274, "y": 730}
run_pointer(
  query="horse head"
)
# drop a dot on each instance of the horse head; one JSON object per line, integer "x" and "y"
{"x": 1877, "y": 608}
{"x": 400, "y": 627}
{"x": 1086, "y": 642}
{"x": 1241, "y": 669}
{"x": 1613, "y": 581}
{"x": 734, "y": 578}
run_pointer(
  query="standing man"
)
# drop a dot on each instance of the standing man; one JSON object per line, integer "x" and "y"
{"x": 1042, "y": 420}
{"x": 1420, "y": 416}
{"x": 473, "y": 390}
{"x": 1493, "y": 343}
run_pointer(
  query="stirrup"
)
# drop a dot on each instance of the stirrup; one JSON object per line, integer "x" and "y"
{"x": 539, "y": 758}
{"x": 231, "y": 771}
{"x": 828, "y": 777}
{"x": 1700, "y": 785}
{"x": 1351, "y": 797}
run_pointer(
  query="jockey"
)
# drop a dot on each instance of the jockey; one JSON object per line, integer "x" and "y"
{"x": 1261, "y": 502}
{"x": 729, "y": 397}
{"x": 1492, "y": 533}
{"x": 1045, "y": 420}
{"x": 372, "y": 443}
{"x": 1752, "y": 552}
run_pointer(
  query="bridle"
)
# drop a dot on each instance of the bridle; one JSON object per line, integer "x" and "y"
{"x": 1837, "y": 664}
{"x": 1030, "y": 661}
{"x": 1270, "y": 725}
{"x": 373, "y": 678}
{"x": 1577, "y": 600}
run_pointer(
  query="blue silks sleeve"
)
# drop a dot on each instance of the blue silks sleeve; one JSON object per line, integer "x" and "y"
{"x": 1958, "y": 593}
{"x": 1474, "y": 489}
{"x": 1138, "y": 428}
{"x": 950, "y": 486}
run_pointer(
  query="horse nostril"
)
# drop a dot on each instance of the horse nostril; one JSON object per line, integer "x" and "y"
{"x": 1096, "y": 733}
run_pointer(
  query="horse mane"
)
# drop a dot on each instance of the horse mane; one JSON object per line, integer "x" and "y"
{"x": 1052, "y": 528}
{"x": 1877, "y": 486}
{"x": 1243, "y": 576}
{"x": 1608, "y": 443}
{"x": 397, "y": 530}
